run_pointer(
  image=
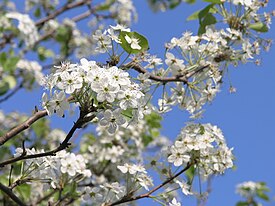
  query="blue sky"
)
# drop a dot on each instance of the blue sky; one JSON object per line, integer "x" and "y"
{"x": 247, "y": 117}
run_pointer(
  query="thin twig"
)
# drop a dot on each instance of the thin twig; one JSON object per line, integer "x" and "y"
{"x": 78, "y": 124}
{"x": 164, "y": 80}
{"x": 66, "y": 7}
{"x": 14, "y": 91}
{"x": 44, "y": 198}
{"x": 25, "y": 125}
{"x": 9, "y": 192}
{"x": 61, "y": 10}
{"x": 147, "y": 195}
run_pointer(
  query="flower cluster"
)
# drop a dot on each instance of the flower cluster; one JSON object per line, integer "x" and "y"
{"x": 104, "y": 194}
{"x": 124, "y": 11}
{"x": 30, "y": 4}
{"x": 90, "y": 83}
{"x": 26, "y": 26}
{"x": 205, "y": 146}
{"x": 128, "y": 142}
{"x": 213, "y": 50}
{"x": 31, "y": 71}
{"x": 251, "y": 189}
{"x": 56, "y": 170}
{"x": 139, "y": 176}
{"x": 174, "y": 202}
{"x": 105, "y": 38}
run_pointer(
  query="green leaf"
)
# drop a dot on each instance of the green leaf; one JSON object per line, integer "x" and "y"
{"x": 190, "y": 1}
{"x": 24, "y": 190}
{"x": 44, "y": 53}
{"x": 63, "y": 34}
{"x": 202, "y": 13}
{"x": 10, "y": 64}
{"x": 41, "y": 128}
{"x": 193, "y": 16}
{"x": 142, "y": 42}
{"x": 128, "y": 114}
{"x": 190, "y": 174}
{"x": 7, "y": 83}
{"x": 202, "y": 130}
{"x": 153, "y": 120}
{"x": 214, "y": 1}
{"x": 11, "y": 81}
{"x": 4, "y": 87}
{"x": 154, "y": 133}
{"x": 259, "y": 27}
{"x": 104, "y": 6}
{"x": 242, "y": 204}
{"x": 3, "y": 58}
{"x": 174, "y": 4}
{"x": 9, "y": 61}
{"x": 262, "y": 195}
{"x": 37, "y": 12}
{"x": 209, "y": 19}
{"x": 146, "y": 139}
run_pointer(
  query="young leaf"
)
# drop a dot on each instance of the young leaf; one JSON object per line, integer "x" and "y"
{"x": 259, "y": 26}
{"x": 202, "y": 13}
{"x": 208, "y": 20}
{"x": 214, "y": 1}
{"x": 4, "y": 87}
{"x": 262, "y": 195}
{"x": 10, "y": 80}
{"x": 7, "y": 83}
{"x": 193, "y": 16}
{"x": 146, "y": 139}
{"x": 104, "y": 6}
{"x": 174, "y": 4}
{"x": 3, "y": 58}
{"x": 37, "y": 12}
{"x": 190, "y": 1}
{"x": 11, "y": 63}
{"x": 128, "y": 46}
{"x": 190, "y": 173}
{"x": 242, "y": 204}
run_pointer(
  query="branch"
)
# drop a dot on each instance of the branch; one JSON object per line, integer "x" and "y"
{"x": 6, "y": 39}
{"x": 44, "y": 198}
{"x": 75, "y": 19}
{"x": 66, "y": 7}
{"x": 16, "y": 89}
{"x": 20, "y": 182}
{"x": 164, "y": 80}
{"x": 9, "y": 192}
{"x": 25, "y": 125}
{"x": 65, "y": 144}
{"x": 146, "y": 195}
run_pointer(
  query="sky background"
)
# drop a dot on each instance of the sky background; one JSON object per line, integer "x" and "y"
{"x": 247, "y": 117}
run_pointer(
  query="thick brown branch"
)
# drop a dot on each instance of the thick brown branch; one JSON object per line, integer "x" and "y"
{"x": 146, "y": 195}
{"x": 61, "y": 10}
{"x": 9, "y": 192}
{"x": 78, "y": 124}
{"x": 25, "y": 125}
{"x": 164, "y": 80}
